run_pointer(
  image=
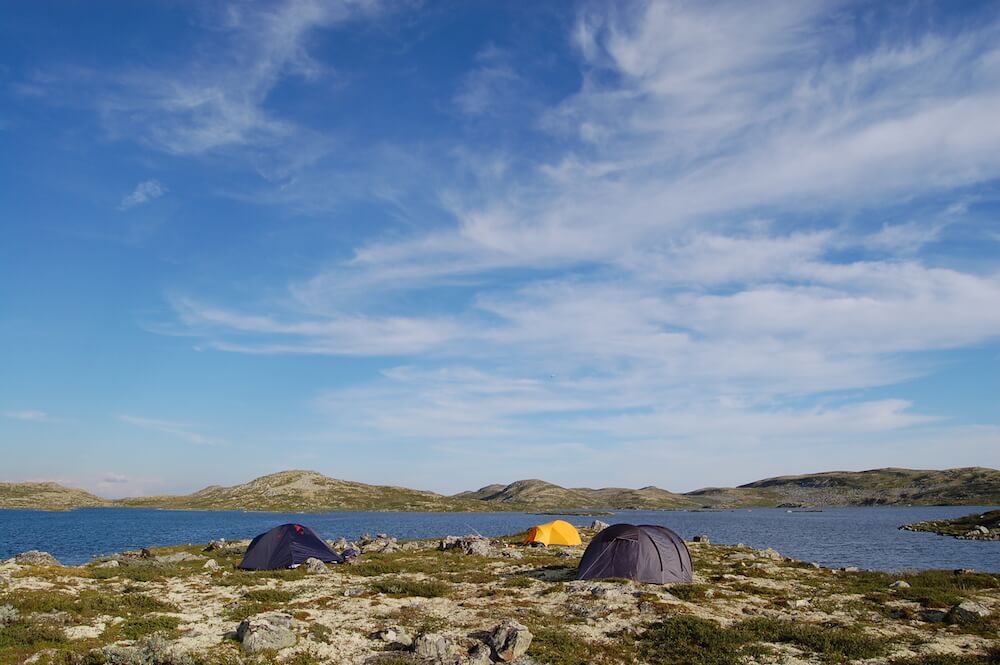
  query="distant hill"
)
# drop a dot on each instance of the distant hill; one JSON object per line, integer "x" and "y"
{"x": 46, "y": 496}
{"x": 538, "y": 494}
{"x": 306, "y": 491}
{"x": 968, "y": 486}
{"x": 311, "y": 491}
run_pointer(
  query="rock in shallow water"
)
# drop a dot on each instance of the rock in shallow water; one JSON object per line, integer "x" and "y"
{"x": 268, "y": 631}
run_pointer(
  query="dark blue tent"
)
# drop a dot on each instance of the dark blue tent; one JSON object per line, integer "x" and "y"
{"x": 644, "y": 553}
{"x": 286, "y": 546}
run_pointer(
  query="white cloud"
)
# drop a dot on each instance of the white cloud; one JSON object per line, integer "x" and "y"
{"x": 114, "y": 479}
{"x": 145, "y": 191}
{"x": 184, "y": 431}
{"x": 696, "y": 263}
{"x": 28, "y": 414}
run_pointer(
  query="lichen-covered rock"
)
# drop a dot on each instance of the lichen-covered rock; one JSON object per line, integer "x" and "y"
{"x": 510, "y": 640}
{"x": 211, "y": 564}
{"x": 968, "y": 612}
{"x": 770, "y": 553}
{"x": 598, "y": 525}
{"x": 435, "y": 647}
{"x": 314, "y": 566}
{"x": 36, "y": 558}
{"x": 151, "y": 650}
{"x": 267, "y": 631}
{"x": 480, "y": 655}
{"x": 215, "y": 545}
{"x": 469, "y": 544}
{"x": 933, "y": 616}
{"x": 900, "y": 584}
{"x": 109, "y": 564}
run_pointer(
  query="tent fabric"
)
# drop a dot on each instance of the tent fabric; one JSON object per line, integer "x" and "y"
{"x": 286, "y": 546}
{"x": 557, "y": 532}
{"x": 644, "y": 553}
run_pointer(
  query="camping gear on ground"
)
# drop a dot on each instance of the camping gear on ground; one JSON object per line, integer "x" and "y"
{"x": 557, "y": 532}
{"x": 644, "y": 553}
{"x": 286, "y": 546}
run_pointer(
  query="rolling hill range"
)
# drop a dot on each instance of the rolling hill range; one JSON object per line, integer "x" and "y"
{"x": 311, "y": 491}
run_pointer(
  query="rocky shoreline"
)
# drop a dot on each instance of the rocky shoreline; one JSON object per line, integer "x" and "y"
{"x": 467, "y": 600}
{"x": 978, "y": 526}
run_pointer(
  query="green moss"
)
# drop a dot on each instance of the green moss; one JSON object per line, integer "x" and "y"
{"x": 554, "y": 645}
{"x": 688, "y": 592}
{"x": 139, "y": 626}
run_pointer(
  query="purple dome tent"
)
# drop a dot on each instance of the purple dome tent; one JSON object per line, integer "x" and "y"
{"x": 286, "y": 546}
{"x": 644, "y": 553}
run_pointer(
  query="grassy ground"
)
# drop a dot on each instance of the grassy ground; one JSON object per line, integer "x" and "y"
{"x": 739, "y": 610}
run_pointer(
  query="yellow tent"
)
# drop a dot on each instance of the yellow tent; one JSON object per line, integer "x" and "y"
{"x": 553, "y": 533}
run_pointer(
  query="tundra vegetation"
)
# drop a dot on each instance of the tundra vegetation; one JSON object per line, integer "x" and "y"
{"x": 745, "y": 606}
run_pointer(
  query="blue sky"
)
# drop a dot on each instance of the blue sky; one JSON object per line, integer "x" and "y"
{"x": 448, "y": 244}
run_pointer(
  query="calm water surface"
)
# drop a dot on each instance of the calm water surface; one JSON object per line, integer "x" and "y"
{"x": 863, "y": 537}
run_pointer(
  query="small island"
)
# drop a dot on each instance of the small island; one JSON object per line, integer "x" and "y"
{"x": 978, "y": 526}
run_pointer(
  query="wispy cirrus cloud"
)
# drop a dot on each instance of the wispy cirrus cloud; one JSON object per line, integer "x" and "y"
{"x": 703, "y": 255}
{"x": 144, "y": 192}
{"x": 179, "y": 430}
{"x": 27, "y": 414}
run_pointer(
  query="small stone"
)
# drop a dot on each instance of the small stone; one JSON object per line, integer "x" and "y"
{"x": 512, "y": 554}
{"x": 268, "y": 631}
{"x": 702, "y": 538}
{"x": 598, "y": 525}
{"x": 109, "y": 564}
{"x": 798, "y": 603}
{"x": 36, "y": 558}
{"x": 510, "y": 640}
{"x": 434, "y": 647}
{"x": 353, "y": 592}
{"x": 900, "y": 584}
{"x": 314, "y": 566}
{"x": 770, "y": 553}
{"x": 395, "y": 635}
{"x": 850, "y": 569}
{"x": 968, "y": 612}
{"x": 211, "y": 564}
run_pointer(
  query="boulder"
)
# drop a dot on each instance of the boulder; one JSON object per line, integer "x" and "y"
{"x": 968, "y": 612}
{"x": 598, "y": 525}
{"x": 900, "y": 584}
{"x": 702, "y": 538}
{"x": 211, "y": 564}
{"x": 267, "y": 631}
{"x": 36, "y": 558}
{"x": 933, "y": 616}
{"x": 435, "y": 647}
{"x": 770, "y": 553}
{"x": 982, "y": 529}
{"x": 468, "y": 544}
{"x": 314, "y": 566}
{"x": 341, "y": 544}
{"x": 512, "y": 554}
{"x": 395, "y": 635}
{"x": 509, "y": 640}
{"x": 215, "y": 545}
{"x": 380, "y": 544}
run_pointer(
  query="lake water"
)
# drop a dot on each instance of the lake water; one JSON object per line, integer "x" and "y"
{"x": 863, "y": 537}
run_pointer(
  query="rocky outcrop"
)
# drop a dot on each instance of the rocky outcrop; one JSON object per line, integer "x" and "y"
{"x": 36, "y": 558}
{"x": 270, "y": 631}
{"x": 471, "y": 544}
{"x": 382, "y": 544}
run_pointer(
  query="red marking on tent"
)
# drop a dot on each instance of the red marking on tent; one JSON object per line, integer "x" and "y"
{"x": 298, "y": 529}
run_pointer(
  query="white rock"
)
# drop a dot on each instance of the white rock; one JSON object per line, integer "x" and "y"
{"x": 314, "y": 566}
{"x": 900, "y": 584}
{"x": 598, "y": 525}
{"x": 211, "y": 564}
{"x": 968, "y": 611}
